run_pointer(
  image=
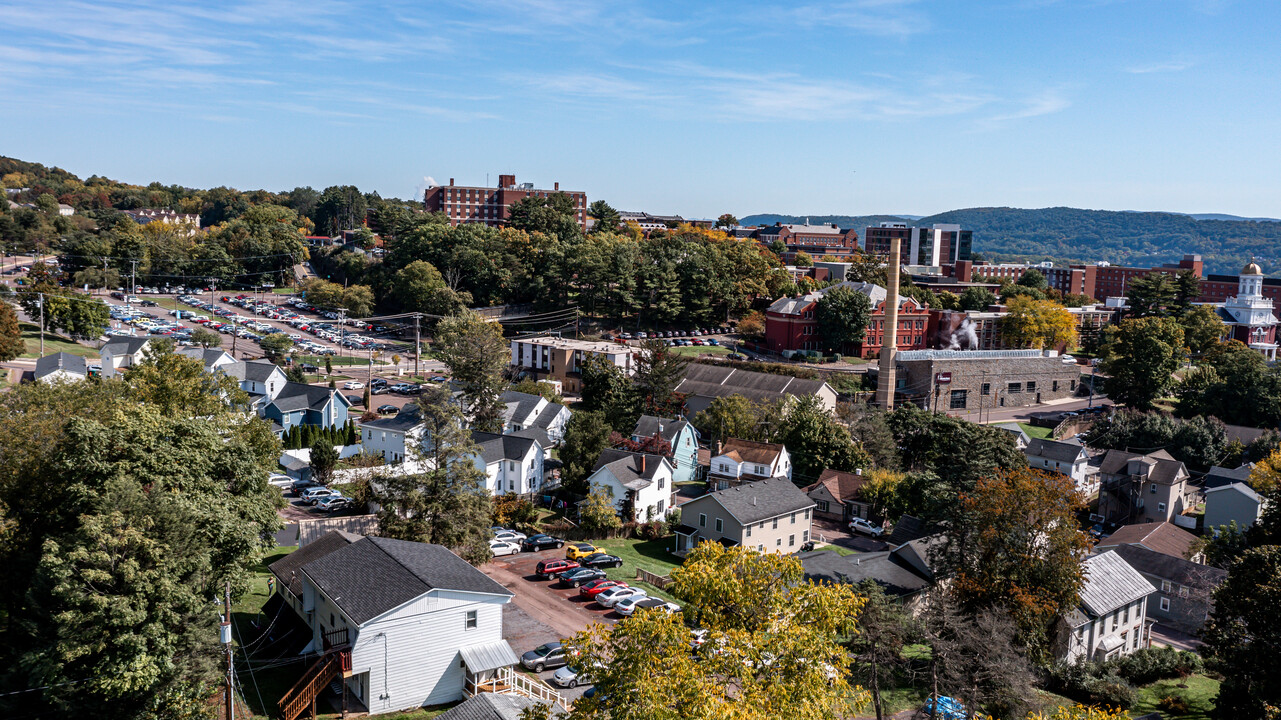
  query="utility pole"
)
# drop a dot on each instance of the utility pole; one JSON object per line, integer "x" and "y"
{"x": 40, "y": 303}
{"x": 228, "y": 697}
{"x": 418, "y": 343}
{"x": 577, "y": 336}
{"x": 342, "y": 329}
{"x": 134, "y": 278}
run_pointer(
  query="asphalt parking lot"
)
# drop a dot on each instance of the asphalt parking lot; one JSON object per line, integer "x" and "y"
{"x": 560, "y": 608}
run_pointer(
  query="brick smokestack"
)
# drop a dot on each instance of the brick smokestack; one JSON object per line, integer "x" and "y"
{"x": 886, "y": 380}
{"x": 556, "y": 186}
{"x": 451, "y": 182}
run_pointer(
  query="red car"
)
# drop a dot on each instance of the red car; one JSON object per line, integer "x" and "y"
{"x": 548, "y": 569}
{"x": 596, "y": 587}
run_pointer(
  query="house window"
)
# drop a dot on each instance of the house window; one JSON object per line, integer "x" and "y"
{"x": 986, "y": 389}
{"x": 778, "y": 542}
{"x": 1013, "y": 388}
{"x": 1166, "y": 586}
{"x": 1183, "y": 591}
{"x": 1031, "y": 386}
{"x": 1154, "y": 488}
{"x": 791, "y": 540}
{"x": 720, "y": 525}
{"x": 471, "y": 620}
{"x": 959, "y": 399}
{"x": 805, "y": 536}
{"x": 1054, "y": 386}
{"x": 749, "y": 531}
{"x": 760, "y": 548}
{"x": 807, "y": 514}
{"x": 1160, "y": 507}
{"x": 775, "y": 524}
{"x": 1125, "y": 615}
{"x": 702, "y": 520}
{"x": 793, "y": 518}
{"x": 822, "y": 506}
{"x": 1165, "y": 604}
{"x": 660, "y": 507}
{"x": 331, "y": 620}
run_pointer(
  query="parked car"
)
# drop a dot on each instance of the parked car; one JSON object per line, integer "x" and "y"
{"x": 332, "y": 503}
{"x": 299, "y": 486}
{"x": 859, "y": 525}
{"x": 510, "y": 536}
{"x": 571, "y": 677}
{"x": 601, "y": 560}
{"x": 540, "y": 542}
{"x": 353, "y": 385}
{"x": 312, "y": 494}
{"x": 578, "y": 576}
{"x": 596, "y": 587}
{"x": 629, "y": 606}
{"x": 613, "y": 596}
{"x": 547, "y": 655}
{"x": 946, "y": 709}
{"x": 550, "y": 568}
{"x": 280, "y": 481}
{"x": 388, "y": 409}
{"x": 581, "y": 550}
{"x": 499, "y": 548}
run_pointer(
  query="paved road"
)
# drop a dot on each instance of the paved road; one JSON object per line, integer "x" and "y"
{"x": 1026, "y": 413}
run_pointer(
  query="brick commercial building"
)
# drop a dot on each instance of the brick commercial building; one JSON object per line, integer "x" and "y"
{"x": 790, "y": 323}
{"x": 821, "y": 242}
{"x": 929, "y": 247}
{"x": 961, "y": 382}
{"x": 491, "y": 205}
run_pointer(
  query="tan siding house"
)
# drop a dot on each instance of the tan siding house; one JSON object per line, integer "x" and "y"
{"x": 770, "y": 516}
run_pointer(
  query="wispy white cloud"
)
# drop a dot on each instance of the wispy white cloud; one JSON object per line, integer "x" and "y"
{"x": 1160, "y": 67}
{"x": 1045, "y": 103}
{"x": 871, "y": 17}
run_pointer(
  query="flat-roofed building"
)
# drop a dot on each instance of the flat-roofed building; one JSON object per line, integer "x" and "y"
{"x": 561, "y": 359}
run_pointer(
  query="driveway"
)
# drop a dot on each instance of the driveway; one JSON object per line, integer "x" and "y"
{"x": 1169, "y": 636}
{"x": 524, "y": 633}
{"x": 560, "y": 608}
{"x": 836, "y": 533}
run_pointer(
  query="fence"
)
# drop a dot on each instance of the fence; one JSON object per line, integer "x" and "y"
{"x": 659, "y": 581}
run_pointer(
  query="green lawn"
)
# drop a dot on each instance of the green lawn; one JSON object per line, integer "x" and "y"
{"x": 1035, "y": 432}
{"x": 649, "y": 555}
{"x": 1199, "y": 695}
{"x": 336, "y": 360}
{"x": 836, "y": 549}
{"x": 695, "y": 351}
{"x": 52, "y": 343}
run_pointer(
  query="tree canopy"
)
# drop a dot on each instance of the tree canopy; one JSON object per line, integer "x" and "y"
{"x": 842, "y": 315}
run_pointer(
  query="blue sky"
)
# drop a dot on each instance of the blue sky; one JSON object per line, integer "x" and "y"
{"x": 852, "y": 107}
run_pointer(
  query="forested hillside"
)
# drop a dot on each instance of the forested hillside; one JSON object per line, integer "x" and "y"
{"x": 1071, "y": 234}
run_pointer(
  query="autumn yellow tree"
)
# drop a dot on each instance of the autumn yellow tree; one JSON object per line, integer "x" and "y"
{"x": 1019, "y": 547}
{"x": 1038, "y": 324}
{"x": 1266, "y": 475}
{"x": 770, "y": 650}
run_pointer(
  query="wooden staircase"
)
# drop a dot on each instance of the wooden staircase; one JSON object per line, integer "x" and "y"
{"x": 331, "y": 665}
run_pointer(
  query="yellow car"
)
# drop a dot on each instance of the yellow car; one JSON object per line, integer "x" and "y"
{"x": 581, "y": 550}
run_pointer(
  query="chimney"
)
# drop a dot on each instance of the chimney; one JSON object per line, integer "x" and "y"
{"x": 451, "y": 182}
{"x": 753, "y": 500}
{"x": 642, "y": 463}
{"x": 556, "y": 186}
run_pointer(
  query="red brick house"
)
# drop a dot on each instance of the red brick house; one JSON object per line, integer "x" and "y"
{"x": 790, "y": 323}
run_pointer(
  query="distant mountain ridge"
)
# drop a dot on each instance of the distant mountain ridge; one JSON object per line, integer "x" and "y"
{"x": 1061, "y": 234}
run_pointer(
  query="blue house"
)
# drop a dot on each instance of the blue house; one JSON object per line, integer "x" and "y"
{"x": 683, "y": 438}
{"x": 301, "y": 404}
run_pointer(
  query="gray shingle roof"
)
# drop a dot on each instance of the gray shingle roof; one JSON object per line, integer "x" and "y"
{"x": 519, "y": 405}
{"x": 207, "y": 356}
{"x": 299, "y": 396}
{"x": 254, "y": 370}
{"x": 890, "y": 571}
{"x": 1111, "y": 583}
{"x": 124, "y": 345}
{"x": 65, "y": 362}
{"x": 1164, "y": 469}
{"x": 548, "y": 414}
{"x": 647, "y": 425}
{"x": 1054, "y": 450}
{"x": 537, "y": 434}
{"x": 1174, "y": 569}
{"x": 635, "y": 471}
{"x": 1242, "y": 488}
{"x": 495, "y": 448}
{"x": 718, "y": 381}
{"x": 287, "y": 568}
{"x": 907, "y": 529}
{"x": 1162, "y": 537}
{"x": 1220, "y": 476}
{"x": 756, "y": 501}
{"x": 375, "y": 575}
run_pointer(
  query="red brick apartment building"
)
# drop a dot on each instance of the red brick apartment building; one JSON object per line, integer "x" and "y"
{"x": 821, "y": 242}
{"x": 790, "y": 323}
{"x": 465, "y": 204}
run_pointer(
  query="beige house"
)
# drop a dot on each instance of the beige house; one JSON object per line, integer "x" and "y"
{"x": 1111, "y": 619}
{"x": 770, "y": 516}
{"x": 743, "y": 461}
{"x": 1138, "y": 488}
{"x": 561, "y": 359}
